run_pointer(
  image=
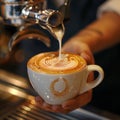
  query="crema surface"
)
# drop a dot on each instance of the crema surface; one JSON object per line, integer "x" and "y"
{"x": 50, "y": 63}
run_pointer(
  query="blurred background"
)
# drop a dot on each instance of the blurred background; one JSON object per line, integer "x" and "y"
{"x": 16, "y": 93}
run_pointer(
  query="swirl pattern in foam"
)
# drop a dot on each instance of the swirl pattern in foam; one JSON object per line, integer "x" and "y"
{"x": 50, "y": 63}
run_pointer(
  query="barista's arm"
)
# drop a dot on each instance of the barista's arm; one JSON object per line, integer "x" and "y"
{"x": 104, "y": 32}
{"x": 101, "y": 34}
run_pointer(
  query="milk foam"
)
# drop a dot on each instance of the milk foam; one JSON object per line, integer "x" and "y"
{"x": 54, "y": 63}
{"x": 50, "y": 63}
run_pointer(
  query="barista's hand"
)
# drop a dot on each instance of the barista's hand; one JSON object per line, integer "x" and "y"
{"x": 67, "y": 106}
{"x": 74, "y": 45}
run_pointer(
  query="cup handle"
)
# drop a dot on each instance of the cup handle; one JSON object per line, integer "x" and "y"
{"x": 97, "y": 81}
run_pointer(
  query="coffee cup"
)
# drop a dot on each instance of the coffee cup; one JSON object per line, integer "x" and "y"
{"x": 59, "y": 79}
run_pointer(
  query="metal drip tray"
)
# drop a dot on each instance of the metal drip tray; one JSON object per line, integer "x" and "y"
{"x": 17, "y": 103}
{"x": 26, "y": 110}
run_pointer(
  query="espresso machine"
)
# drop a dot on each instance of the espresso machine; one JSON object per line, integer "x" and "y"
{"x": 18, "y": 18}
{"x": 18, "y": 21}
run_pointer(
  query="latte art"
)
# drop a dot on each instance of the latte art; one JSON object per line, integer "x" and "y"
{"x": 50, "y": 63}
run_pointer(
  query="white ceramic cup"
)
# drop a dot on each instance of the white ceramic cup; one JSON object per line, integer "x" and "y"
{"x": 57, "y": 88}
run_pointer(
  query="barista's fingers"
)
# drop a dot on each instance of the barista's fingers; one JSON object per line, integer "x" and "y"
{"x": 57, "y": 108}
{"x": 79, "y": 101}
{"x": 40, "y": 103}
{"x": 51, "y": 108}
{"x": 54, "y": 108}
{"x": 39, "y": 100}
{"x": 88, "y": 57}
{"x": 60, "y": 109}
{"x": 47, "y": 106}
{"x": 44, "y": 106}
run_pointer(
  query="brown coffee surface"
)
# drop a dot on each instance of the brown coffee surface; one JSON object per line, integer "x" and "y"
{"x": 50, "y": 63}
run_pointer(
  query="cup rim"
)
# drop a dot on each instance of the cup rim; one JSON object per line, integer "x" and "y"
{"x": 59, "y": 73}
